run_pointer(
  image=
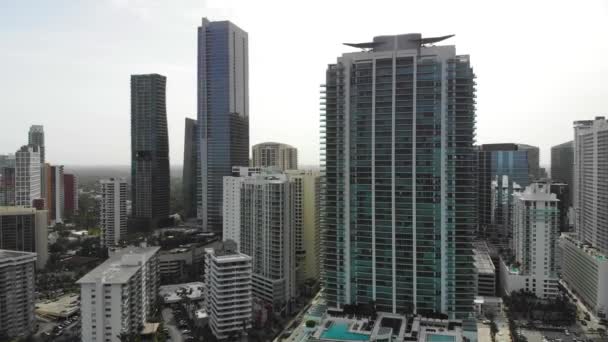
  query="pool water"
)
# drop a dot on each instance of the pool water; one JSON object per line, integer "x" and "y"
{"x": 339, "y": 331}
{"x": 439, "y": 338}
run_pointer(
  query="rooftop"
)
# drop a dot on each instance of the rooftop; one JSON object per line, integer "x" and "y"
{"x": 10, "y": 254}
{"x": 16, "y": 210}
{"x": 483, "y": 261}
{"x": 62, "y": 307}
{"x": 171, "y": 293}
{"x": 121, "y": 266}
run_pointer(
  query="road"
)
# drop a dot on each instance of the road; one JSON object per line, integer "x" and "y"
{"x": 169, "y": 323}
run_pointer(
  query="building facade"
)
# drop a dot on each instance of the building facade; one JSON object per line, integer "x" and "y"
{"x": 590, "y": 182}
{"x": 399, "y": 177}
{"x": 113, "y": 211}
{"x": 268, "y": 236}
{"x": 191, "y": 173}
{"x": 229, "y": 290}
{"x": 585, "y": 271}
{"x": 149, "y": 152}
{"x": 485, "y": 269}
{"x": 231, "y": 207}
{"x": 562, "y": 163}
{"x": 70, "y": 195}
{"x": 501, "y": 169}
{"x": 7, "y": 186}
{"x": 25, "y": 230}
{"x": 535, "y": 234}
{"x": 17, "y": 293}
{"x": 307, "y": 224}
{"x": 533, "y": 161}
{"x": 56, "y": 205}
{"x": 35, "y": 137}
{"x": 276, "y": 155}
{"x": 118, "y": 296}
{"x": 27, "y": 175}
{"x": 223, "y": 111}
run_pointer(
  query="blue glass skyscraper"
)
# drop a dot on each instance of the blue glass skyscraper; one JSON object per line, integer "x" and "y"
{"x": 223, "y": 111}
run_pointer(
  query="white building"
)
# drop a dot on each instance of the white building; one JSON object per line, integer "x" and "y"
{"x": 17, "y": 286}
{"x": 268, "y": 236}
{"x": 229, "y": 293}
{"x": 535, "y": 234}
{"x": 119, "y": 295}
{"x": 231, "y": 208}
{"x": 275, "y": 155}
{"x": 590, "y": 182}
{"x": 113, "y": 211}
{"x": 585, "y": 271}
{"x": 27, "y": 175}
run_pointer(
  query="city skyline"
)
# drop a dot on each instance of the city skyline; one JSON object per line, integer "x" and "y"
{"x": 545, "y": 95}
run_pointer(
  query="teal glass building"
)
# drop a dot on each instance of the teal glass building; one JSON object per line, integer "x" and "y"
{"x": 399, "y": 199}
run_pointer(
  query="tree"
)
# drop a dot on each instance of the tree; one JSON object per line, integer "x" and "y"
{"x": 310, "y": 323}
{"x": 493, "y": 330}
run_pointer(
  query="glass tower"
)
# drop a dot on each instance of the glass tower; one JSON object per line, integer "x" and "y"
{"x": 398, "y": 193}
{"x": 149, "y": 152}
{"x": 223, "y": 111}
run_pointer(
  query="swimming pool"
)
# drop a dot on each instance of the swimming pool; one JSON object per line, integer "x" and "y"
{"x": 439, "y": 338}
{"x": 339, "y": 331}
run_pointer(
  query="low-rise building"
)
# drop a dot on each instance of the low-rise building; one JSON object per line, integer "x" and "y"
{"x": 176, "y": 293}
{"x": 59, "y": 308}
{"x": 118, "y": 296}
{"x": 17, "y": 298}
{"x": 486, "y": 272}
{"x": 229, "y": 294}
{"x": 585, "y": 272}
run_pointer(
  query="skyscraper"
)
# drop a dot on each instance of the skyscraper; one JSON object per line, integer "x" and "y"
{"x": 271, "y": 154}
{"x": 533, "y": 160}
{"x": 590, "y": 182}
{"x": 149, "y": 152}
{"x": 223, "y": 111}
{"x": 56, "y": 206}
{"x": 70, "y": 194}
{"x": 27, "y": 175}
{"x": 35, "y": 137}
{"x": 113, "y": 211}
{"x": 562, "y": 164}
{"x": 191, "y": 174}
{"x": 399, "y": 195}
{"x": 17, "y": 293}
{"x": 494, "y": 162}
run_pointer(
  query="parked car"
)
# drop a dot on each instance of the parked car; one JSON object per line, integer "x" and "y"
{"x": 584, "y": 323}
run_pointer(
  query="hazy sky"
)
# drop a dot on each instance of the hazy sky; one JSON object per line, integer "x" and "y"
{"x": 67, "y": 65}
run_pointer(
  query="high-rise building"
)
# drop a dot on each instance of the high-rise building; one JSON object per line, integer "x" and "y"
{"x": 535, "y": 234}
{"x": 229, "y": 299}
{"x": 398, "y": 160}
{"x": 27, "y": 175}
{"x": 267, "y": 234}
{"x": 231, "y": 207}
{"x": 149, "y": 152}
{"x": 276, "y": 155}
{"x": 590, "y": 184}
{"x": 47, "y": 194}
{"x": 118, "y": 296}
{"x": 56, "y": 206}
{"x": 191, "y": 172}
{"x": 223, "y": 111}
{"x": 501, "y": 170}
{"x": 306, "y": 221}
{"x": 562, "y": 163}
{"x": 17, "y": 293}
{"x": 7, "y": 186}
{"x": 35, "y": 137}
{"x": 6, "y": 160}
{"x": 533, "y": 160}
{"x": 25, "y": 230}
{"x": 585, "y": 271}
{"x": 70, "y": 194}
{"x": 113, "y": 211}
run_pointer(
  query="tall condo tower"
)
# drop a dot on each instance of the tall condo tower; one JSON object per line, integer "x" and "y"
{"x": 113, "y": 218}
{"x": 191, "y": 172}
{"x": 398, "y": 161}
{"x": 57, "y": 204}
{"x": 149, "y": 152}
{"x": 35, "y": 137}
{"x": 27, "y": 175}
{"x": 223, "y": 111}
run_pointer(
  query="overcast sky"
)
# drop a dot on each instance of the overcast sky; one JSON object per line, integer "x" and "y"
{"x": 66, "y": 65}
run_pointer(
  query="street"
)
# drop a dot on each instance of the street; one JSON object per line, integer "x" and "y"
{"x": 169, "y": 323}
